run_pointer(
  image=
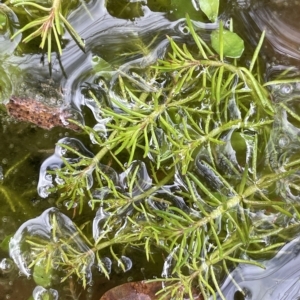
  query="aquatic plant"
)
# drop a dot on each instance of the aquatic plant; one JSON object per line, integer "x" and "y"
{"x": 8, "y": 193}
{"x": 187, "y": 164}
{"x": 51, "y": 25}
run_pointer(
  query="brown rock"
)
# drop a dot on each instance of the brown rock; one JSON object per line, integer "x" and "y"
{"x": 33, "y": 111}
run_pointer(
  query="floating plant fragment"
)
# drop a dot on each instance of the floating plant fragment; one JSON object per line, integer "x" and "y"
{"x": 51, "y": 240}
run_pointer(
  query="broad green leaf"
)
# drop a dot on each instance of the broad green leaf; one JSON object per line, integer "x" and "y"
{"x": 210, "y": 8}
{"x": 41, "y": 276}
{"x": 233, "y": 45}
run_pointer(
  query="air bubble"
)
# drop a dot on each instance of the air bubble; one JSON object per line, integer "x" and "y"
{"x": 59, "y": 151}
{"x": 286, "y": 89}
{"x": 44, "y": 191}
{"x": 106, "y": 263}
{"x": 283, "y": 141}
{"x": 227, "y": 24}
{"x": 89, "y": 179}
{"x": 167, "y": 268}
{"x": 99, "y": 219}
{"x": 40, "y": 293}
{"x": 48, "y": 177}
{"x": 70, "y": 204}
{"x": 6, "y": 265}
{"x": 183, "y": 29}
{"x": 59, "y": 180}
{"x": 95, "y": 59}
{"x": 127, "y": 263}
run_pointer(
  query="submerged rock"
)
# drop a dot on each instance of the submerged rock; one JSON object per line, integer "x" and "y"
{"x": 42, "y": 115}
{"x": 278, "y": 281}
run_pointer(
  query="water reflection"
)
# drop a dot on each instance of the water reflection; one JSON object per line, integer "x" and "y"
{"x": 140, "y": 41}
{"x": 278, "y": 280}
{"x": 280, "y": 20}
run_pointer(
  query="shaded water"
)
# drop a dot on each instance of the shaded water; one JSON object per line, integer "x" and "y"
{"x": 127, "y": 36}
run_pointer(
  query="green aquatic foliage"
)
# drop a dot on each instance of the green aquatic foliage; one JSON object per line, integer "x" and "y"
{"x": 180, "y": 167}
{"x": 51, "y": 22}
{"x": 227, "y": 43}
{"x": 7, "y": 192}
{"x": 210, "y": 8}
{"x": 41, "y": 276}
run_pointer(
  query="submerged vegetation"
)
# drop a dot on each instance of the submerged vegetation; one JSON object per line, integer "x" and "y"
{"x": 51, "y": 26}
{"x": 187, "y": 164}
